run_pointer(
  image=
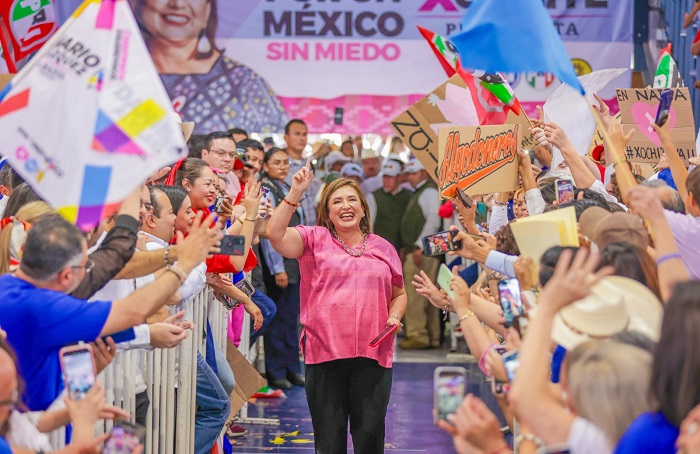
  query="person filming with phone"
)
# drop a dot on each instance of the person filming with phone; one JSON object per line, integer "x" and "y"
{"x": 352, "y": 289}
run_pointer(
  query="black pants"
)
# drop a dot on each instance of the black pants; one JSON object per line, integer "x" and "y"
{"x": 282, "y": 337}
{"x": 358, "y": 388}
{"x": 142, "y": 403}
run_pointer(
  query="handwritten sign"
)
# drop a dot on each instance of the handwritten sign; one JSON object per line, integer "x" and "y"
{"x": 638, "y": 109}
{"x": 479, "y": 160}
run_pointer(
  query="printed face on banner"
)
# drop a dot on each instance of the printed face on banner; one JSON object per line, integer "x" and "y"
{"x": 638, "y": 109}
{"x": 479, "y": 160}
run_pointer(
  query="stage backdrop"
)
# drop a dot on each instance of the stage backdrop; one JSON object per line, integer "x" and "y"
{"x": 283, "y": 59}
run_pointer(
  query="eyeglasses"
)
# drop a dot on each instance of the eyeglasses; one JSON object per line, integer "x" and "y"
{"x": 223, "y": 153}
{"x": 89, "y": 265}
{"x": 13, "y": 401}
{"x": 279, "y": 163}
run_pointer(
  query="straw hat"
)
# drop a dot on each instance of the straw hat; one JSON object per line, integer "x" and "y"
{"x": 603, "y": 228}
{"x": 616, "y": 304}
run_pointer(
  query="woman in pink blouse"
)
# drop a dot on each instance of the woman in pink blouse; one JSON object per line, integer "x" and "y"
{"x": 351, "y": 289}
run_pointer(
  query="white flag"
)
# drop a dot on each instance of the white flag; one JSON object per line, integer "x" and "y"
{"x": 572, "y": 112}
{"x": 87, "y": 119}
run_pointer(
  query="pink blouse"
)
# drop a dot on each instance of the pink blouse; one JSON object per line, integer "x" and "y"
{"x": 345, "y": 299}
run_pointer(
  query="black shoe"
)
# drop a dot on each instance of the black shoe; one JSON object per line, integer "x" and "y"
{"x": 296, "y": 379}
{"x": 279, "y": 383}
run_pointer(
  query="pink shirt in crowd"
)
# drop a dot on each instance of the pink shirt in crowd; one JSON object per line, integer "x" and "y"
{"x": 345, "y": 299}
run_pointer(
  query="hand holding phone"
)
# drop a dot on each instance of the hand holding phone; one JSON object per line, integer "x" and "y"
{"x": 441, "y": 243}
{"x": 383, "y": 335}
{"x": 232, "y": 245}
{"x": 511, "y": 300}
{"x": 450, "y": 387}
{"x": 665, "y": 101}
{"x": 444, "y": 280}
{"x": 464, "y": 198}
{"x": 124, "y": 438}
{"x": 78, "y": 365}
{"x": 565, "y": 191}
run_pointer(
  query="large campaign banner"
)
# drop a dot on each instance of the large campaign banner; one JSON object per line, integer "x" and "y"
{"x": 254, "y": 64}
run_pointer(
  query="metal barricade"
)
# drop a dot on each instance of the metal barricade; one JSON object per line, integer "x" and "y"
{"x": 170, "y": 376}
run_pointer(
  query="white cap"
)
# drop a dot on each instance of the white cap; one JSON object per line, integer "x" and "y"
{"x": 335, "y": 157}
{"x": 368, "y": 154}
{"x": 414, "y": 166}
{"x": 352, "y": 170}
{"x": 390, "y": 168}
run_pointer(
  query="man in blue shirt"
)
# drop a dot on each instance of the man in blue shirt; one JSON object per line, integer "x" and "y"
{"x": 40, "y": 317}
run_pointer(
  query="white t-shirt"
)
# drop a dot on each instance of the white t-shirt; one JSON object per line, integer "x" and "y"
{"x": 586, "y": 438}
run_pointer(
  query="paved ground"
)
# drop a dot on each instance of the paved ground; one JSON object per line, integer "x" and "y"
{"x": 410, "y": 427}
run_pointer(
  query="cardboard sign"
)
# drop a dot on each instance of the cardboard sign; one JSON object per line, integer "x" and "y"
{"x": 248, "y": 380}
{"x": 480, "y": 160}
{"x": 449, "y": 104}
{"x": 418, "y": 126}
{"x": 638, "y": 108}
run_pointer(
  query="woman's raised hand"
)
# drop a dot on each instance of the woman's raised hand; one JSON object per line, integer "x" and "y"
{"x": 253, "y": 195}
{"x": 303, "y": 178}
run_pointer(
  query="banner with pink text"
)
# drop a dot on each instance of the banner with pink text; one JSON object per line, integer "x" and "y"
{"x": 344, "y": 66}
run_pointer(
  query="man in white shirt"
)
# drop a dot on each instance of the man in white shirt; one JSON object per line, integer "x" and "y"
{"x": 420, "y": 219}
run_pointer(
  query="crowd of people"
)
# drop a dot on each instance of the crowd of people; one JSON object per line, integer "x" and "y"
{"x": 338, "y": 243}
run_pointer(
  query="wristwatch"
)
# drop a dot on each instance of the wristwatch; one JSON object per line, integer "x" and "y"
{"x": 495, "y": 276}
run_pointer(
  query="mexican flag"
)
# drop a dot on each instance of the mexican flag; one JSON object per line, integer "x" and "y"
{"x": 448, "y": 56}
{"x": 667, "y": 75}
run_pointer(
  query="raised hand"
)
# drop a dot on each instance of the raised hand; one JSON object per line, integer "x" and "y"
{"x": 603, "y": 110}
{"x": 461, "y": 292}
{"x": 557, "y": 137}
{"x": 425, "y": 287}
{"x": 572, "y": 280}
{"x": 619, "y": 139}
{"x": 200, "y": 242}
{"x": 254, "y": 311}
{"x": 253, "y": 195}
{"x": 103, "y": 352}
{"x": 303, "y": 178}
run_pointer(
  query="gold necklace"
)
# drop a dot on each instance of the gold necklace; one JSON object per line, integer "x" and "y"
{"x": 350, "y": 250}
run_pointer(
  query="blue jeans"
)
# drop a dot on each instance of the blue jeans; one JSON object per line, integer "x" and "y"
{"x": 213, "y": 408}
{"x": 268, "y": 309}
{"x": 223, "y": 371}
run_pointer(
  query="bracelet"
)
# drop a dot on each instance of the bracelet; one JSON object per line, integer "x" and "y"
{"x": 500, "y": 204}
{"x": 295, "y": 205}
{"x": 494, "y": 276}
{"x": 166, "y": 256}
{"x": 175, "y": 268}
{"x": 466, "y": 316}
{"x": 251, "y": 220}
{"x": 529, "y": 437}
{"x": 239, "y": 220}
{"x": 663, "y": 258}
{"x": 619, "y": 161}
{"x": 396, "y": 317}
{"x": 446, "y": 311}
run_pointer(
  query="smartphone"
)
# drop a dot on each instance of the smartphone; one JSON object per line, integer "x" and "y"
{"x": 218, "y": 203}
{"x": 444, "y": 279}
{"x": 383, "y": 335}
{"x": 266, "y": 196}
{"x": 245, "y": 287}
{"x": 511, "y": 300}
{"x": 481, "y": 212}
{"x": 78, "y": 365}
{"x": 450, "y": 386}
{"x": 499, "y": 388}
{"x": 232, "y": 245}
{"x": 441, "y": 243}
{"x": 464, "y": 198}
{"x": 124, "y": 438}
{"x": 228, "y": 302}
{"x": 512, "y": 363}
{"x": 565, "y": 191}
{"x": 664, "y": 107}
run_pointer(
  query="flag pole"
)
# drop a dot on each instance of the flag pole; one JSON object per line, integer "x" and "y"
{"x": 618, "y": 156}
{"x": 11, "y": 66}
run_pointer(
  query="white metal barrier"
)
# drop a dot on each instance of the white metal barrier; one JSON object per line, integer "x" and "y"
{"x": 170, "y": 376}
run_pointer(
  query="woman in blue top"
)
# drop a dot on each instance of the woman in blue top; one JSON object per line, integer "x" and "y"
{"x": 675, "y": 381}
